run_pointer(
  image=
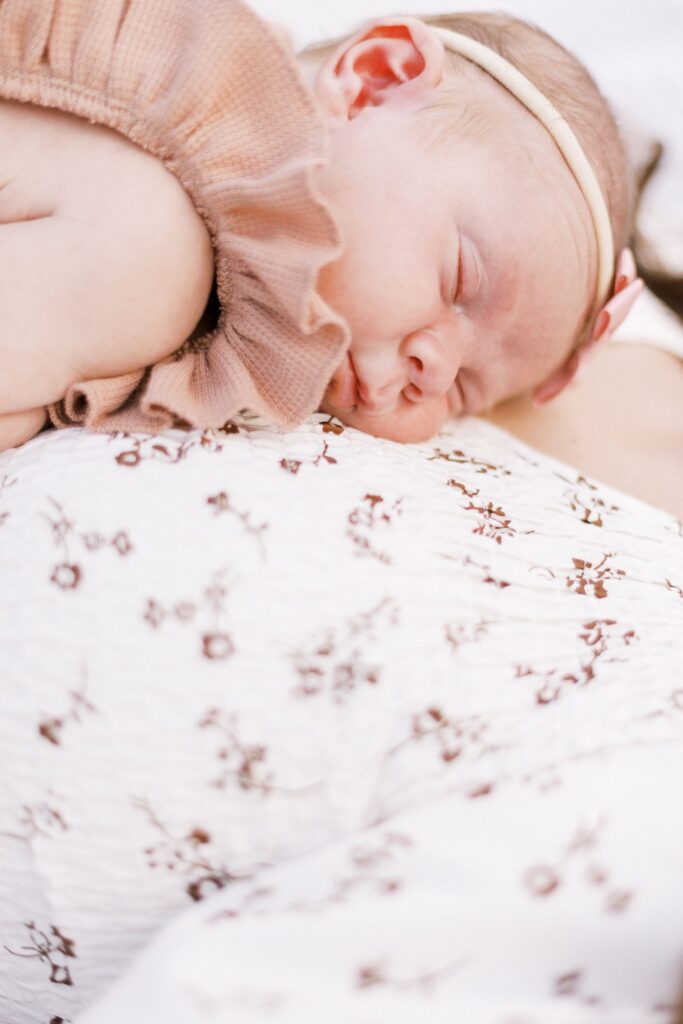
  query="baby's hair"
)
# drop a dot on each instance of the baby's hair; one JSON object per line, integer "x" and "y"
{"x": 566, "y": 82}
{"x": 561, "y": 77}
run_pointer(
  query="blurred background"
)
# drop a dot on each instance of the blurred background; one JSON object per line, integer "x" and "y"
{"x": 633, "y": 49}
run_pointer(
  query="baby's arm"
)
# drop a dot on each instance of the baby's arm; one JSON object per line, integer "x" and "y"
{"x": 97, "y": 289}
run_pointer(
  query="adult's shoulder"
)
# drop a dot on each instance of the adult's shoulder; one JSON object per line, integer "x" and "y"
{"x": 621, "y": 423}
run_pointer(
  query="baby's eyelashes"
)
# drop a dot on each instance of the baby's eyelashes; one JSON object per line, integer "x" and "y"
{"x": 469, "y": 274}
{"x": 455, "y": 290}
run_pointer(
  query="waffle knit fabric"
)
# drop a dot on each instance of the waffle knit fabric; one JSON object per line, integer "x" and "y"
{"x": 212, "y": 91}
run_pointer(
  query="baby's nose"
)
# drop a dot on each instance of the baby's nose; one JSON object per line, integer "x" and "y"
{"x": 432, "y": 366}
{"x": 380, "y": 376}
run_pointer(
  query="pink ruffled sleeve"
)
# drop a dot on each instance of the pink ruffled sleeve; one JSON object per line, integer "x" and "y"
{"x": 216, "y": 94}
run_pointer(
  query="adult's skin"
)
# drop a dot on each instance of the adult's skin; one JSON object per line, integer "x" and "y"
{"x": 621, "y": 423}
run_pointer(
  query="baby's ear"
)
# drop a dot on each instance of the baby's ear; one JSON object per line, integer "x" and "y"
{"x": 394, "y": 60}
{"x": 627, "y": 288}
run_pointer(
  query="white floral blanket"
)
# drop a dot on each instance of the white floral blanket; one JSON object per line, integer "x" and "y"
{"x": 402, "y": 725}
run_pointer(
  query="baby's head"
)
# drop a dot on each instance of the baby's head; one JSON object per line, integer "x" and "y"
{"x": 469, "y": 270}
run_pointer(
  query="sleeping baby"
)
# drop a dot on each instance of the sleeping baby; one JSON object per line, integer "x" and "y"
{"x": 415, "y": 222}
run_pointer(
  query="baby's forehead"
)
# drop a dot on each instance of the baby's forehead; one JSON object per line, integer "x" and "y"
{"x": 471, "y": 107}
{"x": 482, "y": 126}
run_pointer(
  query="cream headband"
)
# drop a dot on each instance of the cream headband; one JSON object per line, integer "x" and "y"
{"x": 568, "y": 144}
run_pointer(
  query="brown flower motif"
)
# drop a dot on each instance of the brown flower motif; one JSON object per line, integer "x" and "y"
{"x": 65, "y": 575}
{"x": 204, "y": 886}
{"x": 92, "y": 541}
{"x": 154, "y": 613}
{"x": 184, "y": 611}
{"x": 199, "y": 836}
{"x": 228, "y": 428}
{"x": 568, "y": 984}
{"x": 542, "y": 880}
{"x": 121, "y": 543}
{"x": 130, "y": 458}
{"x": 216, "y": 646}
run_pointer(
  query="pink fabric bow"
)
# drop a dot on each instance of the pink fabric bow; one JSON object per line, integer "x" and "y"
{"x": 627, "y": 288}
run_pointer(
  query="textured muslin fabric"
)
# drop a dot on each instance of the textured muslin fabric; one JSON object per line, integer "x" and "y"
{"x": 215, "y": 93}
{"x": 406, "y": 721}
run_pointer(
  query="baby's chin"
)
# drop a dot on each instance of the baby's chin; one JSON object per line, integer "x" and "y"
{"x": 410, "y": 422}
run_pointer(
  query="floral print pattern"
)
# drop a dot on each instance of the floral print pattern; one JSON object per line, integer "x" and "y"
{"x": 396, "y": 730}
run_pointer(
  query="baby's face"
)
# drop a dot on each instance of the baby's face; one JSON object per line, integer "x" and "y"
{"x": 467, "y": 272}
